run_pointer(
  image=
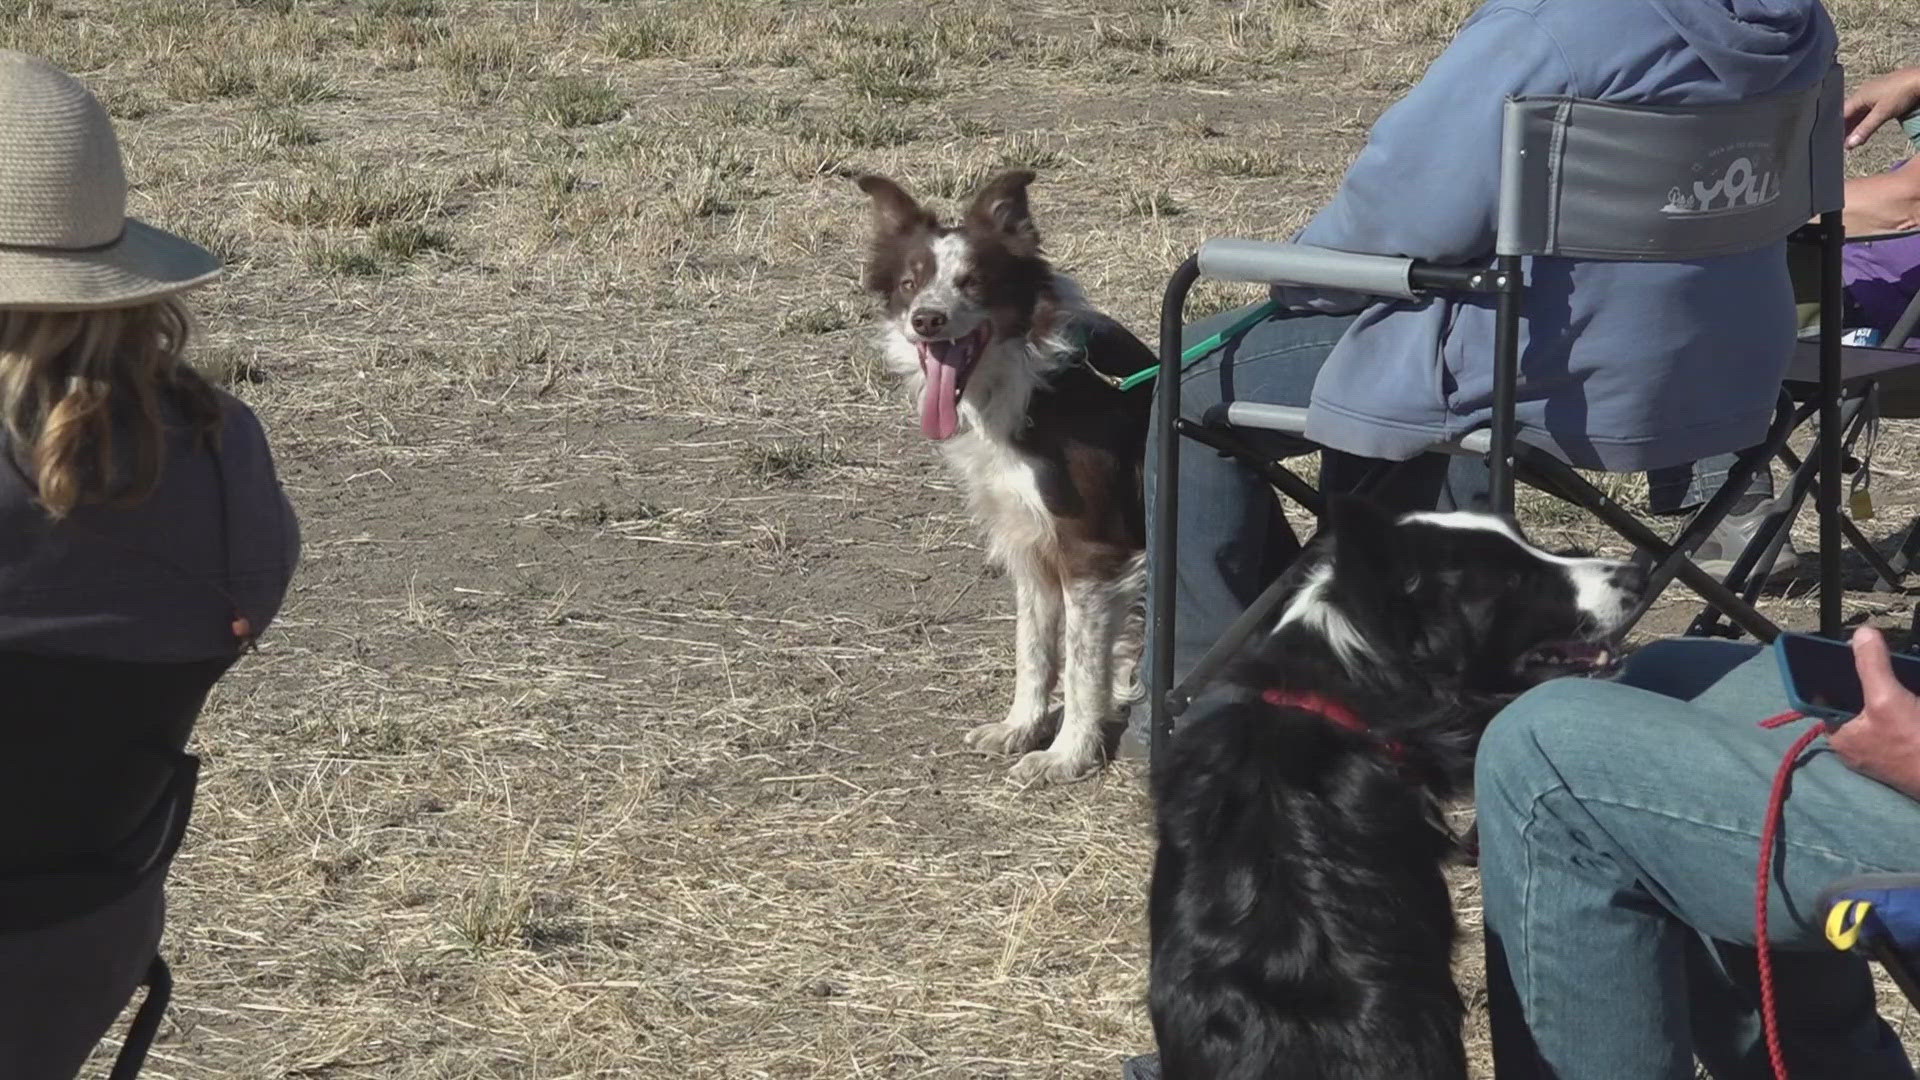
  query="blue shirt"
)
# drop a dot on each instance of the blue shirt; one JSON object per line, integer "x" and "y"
{"x": 1629, "y": 365}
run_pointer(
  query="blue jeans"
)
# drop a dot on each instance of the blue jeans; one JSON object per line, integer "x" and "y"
{"x": 1679, "y": 488}
{"x": 1619, "y": 835}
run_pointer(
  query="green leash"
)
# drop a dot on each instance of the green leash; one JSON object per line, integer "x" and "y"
{"x": 1204, "y": 347}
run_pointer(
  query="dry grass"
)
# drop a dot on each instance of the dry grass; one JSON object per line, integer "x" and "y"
{"x": 612, "y": 727}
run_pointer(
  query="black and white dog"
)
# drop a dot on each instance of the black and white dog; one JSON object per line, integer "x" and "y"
{"x": 1013, "y": 372}
{"x": 1300, "y": 917}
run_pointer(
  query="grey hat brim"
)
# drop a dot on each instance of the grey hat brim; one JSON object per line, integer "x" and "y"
{"x": 145, "y": 264}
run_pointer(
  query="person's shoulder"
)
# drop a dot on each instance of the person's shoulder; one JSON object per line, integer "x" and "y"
{"x": 1584, "y": 17}
{"x": 240, "y": 426}
{"x": 1595, "y": 24}
{"x": 1546, "y": 13}
{"x": 1527, "y": 7}
{"x": 1546, "y": 22}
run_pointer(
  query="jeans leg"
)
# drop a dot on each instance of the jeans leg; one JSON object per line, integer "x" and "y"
{"x": 1232, "y": 538}
{"x": 1826, "y": 1006}
{"x": 1619, "y": 834}
{"x": 1469, "y": 484}
{"x": 1686, "y": 668}
{"x": 1679, "y": 488}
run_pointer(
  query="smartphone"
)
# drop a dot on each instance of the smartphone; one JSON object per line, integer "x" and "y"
{"x": 1822, "y": 681}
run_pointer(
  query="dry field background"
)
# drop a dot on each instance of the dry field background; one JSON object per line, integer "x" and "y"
{"x": 613, "y": 726}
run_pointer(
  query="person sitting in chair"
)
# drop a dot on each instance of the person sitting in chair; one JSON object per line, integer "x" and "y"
{"x": 1620, "y": 828}
{"x": 1881, "y": 278}
{"x": 144, "y": 542}
{"x": 1605, "y": 345}
{"x": 1619, "y": 837}
{"x": 1889, "y": 202}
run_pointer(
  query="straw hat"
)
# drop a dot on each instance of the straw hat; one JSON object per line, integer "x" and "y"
{"x": 66, "y": 242}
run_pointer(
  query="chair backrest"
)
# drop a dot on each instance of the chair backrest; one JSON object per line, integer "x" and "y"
{"x": 1594, "y": 180}
{"x": 95, "y": 786}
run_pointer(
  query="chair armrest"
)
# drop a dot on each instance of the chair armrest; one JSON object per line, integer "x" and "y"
{"x": 1271, "y": 263}
{"x": 1286, "y": 419}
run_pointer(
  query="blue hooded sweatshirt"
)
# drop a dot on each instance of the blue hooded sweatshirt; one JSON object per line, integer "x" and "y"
{"x": 1627, "y": 365}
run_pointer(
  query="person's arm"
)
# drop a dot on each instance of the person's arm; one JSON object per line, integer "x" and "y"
{"x": 1426, "y": 184}
{"x": 1883, "y": 742}
{"x": 1886, "y": 203}
{"x": 1889, "y": 97}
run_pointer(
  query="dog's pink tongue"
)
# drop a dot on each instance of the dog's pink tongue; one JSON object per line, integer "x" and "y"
{"x": 939, "y": 401}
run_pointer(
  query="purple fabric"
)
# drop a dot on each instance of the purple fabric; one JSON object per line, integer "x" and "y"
{"x": 1882, "y": 277}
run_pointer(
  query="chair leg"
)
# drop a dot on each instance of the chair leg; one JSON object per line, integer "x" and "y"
{"x": 1228, "y": 444}
{"x": 1828, "y": 450}
{"x": 1909, "y": 547}
{"x": 1751, "y": 567}
{"x": 1748, "y": 576}
{"x": 1223, "y": 650}
{"x": 1715, "y": 510}
{"x": 1900, "y": 970}
{"x": 146, "y": 1023}
{"x": 1889, "y": 577}
{"x": 1165, "y": 553}
{"x": 1536, "y": 464}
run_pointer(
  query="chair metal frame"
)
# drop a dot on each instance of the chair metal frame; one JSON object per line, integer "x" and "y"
{"x": 87, "y": 884}
{"x": 146, "y": 1022}
{"x": 1511, "y": 456}
{"x": 1862, "y": 369}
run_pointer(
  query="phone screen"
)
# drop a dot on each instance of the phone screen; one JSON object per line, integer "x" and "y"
{"x": 1820, "y": 673}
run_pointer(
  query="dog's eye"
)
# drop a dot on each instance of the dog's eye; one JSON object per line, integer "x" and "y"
{"x": 965, "y": 282}
{"x": 906, "y": 284}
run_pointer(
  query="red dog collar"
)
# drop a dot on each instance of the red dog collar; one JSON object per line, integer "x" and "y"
{"x": 1335, "y": 713}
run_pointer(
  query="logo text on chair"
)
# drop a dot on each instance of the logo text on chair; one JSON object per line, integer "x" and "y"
{"x": 1743, "y": 183}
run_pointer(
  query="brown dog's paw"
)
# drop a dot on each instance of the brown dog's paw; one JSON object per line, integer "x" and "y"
{"x": 1055, "y": 766}
{"x": 1006, "y": 737}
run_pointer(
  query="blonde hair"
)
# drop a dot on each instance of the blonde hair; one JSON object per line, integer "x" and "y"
{"x": 70, "y": 379}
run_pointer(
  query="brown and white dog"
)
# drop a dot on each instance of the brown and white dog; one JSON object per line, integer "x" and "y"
{"x": 1013, "y": 372}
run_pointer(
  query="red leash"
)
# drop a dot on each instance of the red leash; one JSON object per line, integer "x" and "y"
{"x": 1769, "y": 833}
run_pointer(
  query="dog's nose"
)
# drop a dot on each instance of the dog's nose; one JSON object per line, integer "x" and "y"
{"x": 1630, "y": 578}
{"x": 928, "y": 322}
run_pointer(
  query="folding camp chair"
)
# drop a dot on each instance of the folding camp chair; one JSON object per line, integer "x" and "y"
{"x": 1878, "y": 915}
{"x": 35, "y": 899}
{"x": 95, "y": 797}
{"x": 1579, "y": 179}
{"x": 1876, "y": 382}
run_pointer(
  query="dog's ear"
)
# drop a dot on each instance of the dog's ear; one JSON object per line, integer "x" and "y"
{"x": 1001, "y": 208}
{"x": 894, "y": 211}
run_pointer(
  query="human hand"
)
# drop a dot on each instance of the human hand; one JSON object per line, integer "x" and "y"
{"x": 1883, "y": 742}
{"x": 1889, "y": 97}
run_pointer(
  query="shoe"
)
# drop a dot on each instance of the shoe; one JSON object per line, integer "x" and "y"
{"x": 1716, "y": 554}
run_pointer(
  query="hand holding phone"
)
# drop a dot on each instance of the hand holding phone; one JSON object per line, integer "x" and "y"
{"x": 1823, "y": 676}
{"x": 1869, "y": 699}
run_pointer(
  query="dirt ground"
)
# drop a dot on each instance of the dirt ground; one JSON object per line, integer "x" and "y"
{"x": 612, "y": 728}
